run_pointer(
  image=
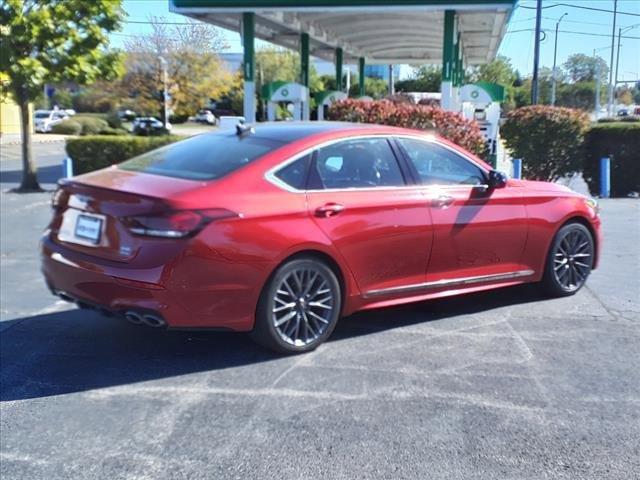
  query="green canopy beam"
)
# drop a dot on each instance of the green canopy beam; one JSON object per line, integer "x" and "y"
{"x": 248, "y": 41}
{"x": 339, "y": 56}
{"x": 361, "y": 63}
{"x": 304, "y": 59}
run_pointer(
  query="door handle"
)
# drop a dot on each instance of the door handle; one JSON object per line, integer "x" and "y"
{"x": 329, "y": 210}
{"x": 442, "y": 201}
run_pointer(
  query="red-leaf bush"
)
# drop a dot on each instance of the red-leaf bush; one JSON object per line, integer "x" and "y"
{"x": 549, "y": 140}
{"x": 450, "y": 125}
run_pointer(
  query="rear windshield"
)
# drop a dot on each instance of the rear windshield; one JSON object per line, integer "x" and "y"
{"x": 204, "y": 157}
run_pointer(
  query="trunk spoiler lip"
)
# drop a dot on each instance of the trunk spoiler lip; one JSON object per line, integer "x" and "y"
{"x": 77, "y": 182}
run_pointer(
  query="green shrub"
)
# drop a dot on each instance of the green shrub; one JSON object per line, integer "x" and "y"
{"x": 95, "y": 152}
{"x": 113, "y": 131}
{"x": 91, "y": 125}
{"x": 619, "y": 141}
{"x": 630, "y": 118}
{"x": 548, "y": 140}
{"x": 177, "y": 119}
{"x": 67, "y": 127}
{"x": 451, "y": 125}
{"x": 114, "y": 120}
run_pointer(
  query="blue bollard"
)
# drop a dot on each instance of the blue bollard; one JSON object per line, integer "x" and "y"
{"x": 67, "y": 168}
{"x": 517, "y": 168}
{"x": 605, "y": 177}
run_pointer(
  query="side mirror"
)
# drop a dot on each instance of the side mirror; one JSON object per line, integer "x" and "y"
{"x": 497, "y": 179}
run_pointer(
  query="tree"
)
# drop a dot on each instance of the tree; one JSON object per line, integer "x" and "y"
{"x": 580, "y": 67}
{"x": 498, "y": 71}
{"x": 194, "y": 71}
{"x": 426, "y": 78}
{"x": 373, "y": 87}
{"x": 48, "y": 42}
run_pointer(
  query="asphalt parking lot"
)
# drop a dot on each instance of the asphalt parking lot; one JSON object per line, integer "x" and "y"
{"x": 504, "y": 384}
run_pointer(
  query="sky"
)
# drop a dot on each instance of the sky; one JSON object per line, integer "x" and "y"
{"x": 517, "y": 44}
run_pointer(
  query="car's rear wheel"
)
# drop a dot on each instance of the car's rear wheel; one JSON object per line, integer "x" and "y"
{"x": 569, "y": 261}
{"x": 299, "y": 307}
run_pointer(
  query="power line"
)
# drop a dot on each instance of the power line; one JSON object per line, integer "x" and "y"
{"x": 164, "y": 23}
{"x": 582, "y": 7}
{"x": 576, "y": 33}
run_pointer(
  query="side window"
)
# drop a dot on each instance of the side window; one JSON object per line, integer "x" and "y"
{"x": 295, "y": 174}
{"x": 437, "y": 165}
{"x": 362, "y": 163}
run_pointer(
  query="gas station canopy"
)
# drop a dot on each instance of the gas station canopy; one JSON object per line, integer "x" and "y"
{"x": 453, "y": 33}
{"x": 382, "y": 32}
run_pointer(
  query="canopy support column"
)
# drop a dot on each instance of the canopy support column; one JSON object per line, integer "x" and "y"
{"x": 304, "y": 70}
{"x": 455, "y": 97}
{"x": 339, "y": 69}
{"x": 361, "y": 63}
{"x": 248, "y": 43}
{"x": 446, "y": 88}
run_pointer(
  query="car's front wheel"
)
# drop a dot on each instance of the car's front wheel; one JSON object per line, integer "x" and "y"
{"x": 299, "y": 307}
{"x": 569, "y": 261}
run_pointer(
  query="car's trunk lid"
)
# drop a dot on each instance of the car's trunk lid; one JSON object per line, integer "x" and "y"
{"x": 90, "y": 209}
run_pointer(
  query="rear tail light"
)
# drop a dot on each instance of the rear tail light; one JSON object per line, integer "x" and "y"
{"x": 59, "y": 199}
{"x": 176, "y": 224}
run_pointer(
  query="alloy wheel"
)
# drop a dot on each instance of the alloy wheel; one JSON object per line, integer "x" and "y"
{"x": 303, "y": 306}
{"x": 573, "y": 258}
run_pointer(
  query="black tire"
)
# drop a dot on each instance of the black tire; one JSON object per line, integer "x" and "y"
{"x": 313, "y": 315}
{"x": 569, "y": 260}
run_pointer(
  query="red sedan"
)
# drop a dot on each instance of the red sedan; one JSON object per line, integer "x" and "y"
{"x": 279, "y": 230}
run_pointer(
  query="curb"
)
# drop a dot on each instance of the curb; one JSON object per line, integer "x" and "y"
{"x": 19, "y": 142}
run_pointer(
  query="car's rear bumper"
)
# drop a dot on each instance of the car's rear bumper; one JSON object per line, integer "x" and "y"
{"x": 120, "y": 289}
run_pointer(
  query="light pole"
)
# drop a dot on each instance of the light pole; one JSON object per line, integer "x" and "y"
{"x": 613, "y": 44}
{"x": 597, "y": 75}
{"x": 555, "y": 54}
{"x": 165, "y": 119}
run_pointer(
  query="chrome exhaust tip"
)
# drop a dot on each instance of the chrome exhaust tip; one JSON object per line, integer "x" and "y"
{"x": 153, "y": 320}
{"x": 66, "y": 297}
{"x": 133, "y": 317}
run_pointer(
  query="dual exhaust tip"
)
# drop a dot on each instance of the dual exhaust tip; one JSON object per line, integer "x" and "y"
{"x": 137, "y": 318}
{"x": 147, "y": 319}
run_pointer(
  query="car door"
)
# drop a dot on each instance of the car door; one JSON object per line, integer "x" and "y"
{"x": 358, "y": 195}
{"x": 478, "y": 232}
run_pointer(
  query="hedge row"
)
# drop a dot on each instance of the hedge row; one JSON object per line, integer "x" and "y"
{"x": 95, "y": 152}
{"x": 621, "y": 142}
{"x": 549, "y": 140}
{"x": 553, "y": 142}
{"x": 452, "y": 126}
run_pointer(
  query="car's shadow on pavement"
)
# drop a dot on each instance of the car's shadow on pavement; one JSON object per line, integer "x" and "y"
{"x": 80, "y": 350}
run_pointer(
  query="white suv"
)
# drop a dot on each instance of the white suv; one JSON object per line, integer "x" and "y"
{"x": 45, "y": 119}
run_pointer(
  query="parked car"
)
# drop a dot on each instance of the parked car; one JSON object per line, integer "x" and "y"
{"x": 221, "y": 108}
{"x": 45, "y": 119}
{"x": 148, "y": 126}
{"x": 127, "y": 115}
{"x": 281, "y": 229}
{"x": 205, "y": 116}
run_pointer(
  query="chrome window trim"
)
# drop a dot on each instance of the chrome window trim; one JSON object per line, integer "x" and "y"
{"x": 448, "y": 283}
{"x": 270, "y": 175}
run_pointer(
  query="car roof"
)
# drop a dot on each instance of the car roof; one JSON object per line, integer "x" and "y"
{"x": 287, "y": 132}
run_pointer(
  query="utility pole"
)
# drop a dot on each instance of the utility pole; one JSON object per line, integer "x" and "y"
{"x": 536, "y": 55}
{"x": 165, "y": 93}
{"x": 596, "y": 103}
{"x": 555, "y": 54}
{"x": 613, "y": 44}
